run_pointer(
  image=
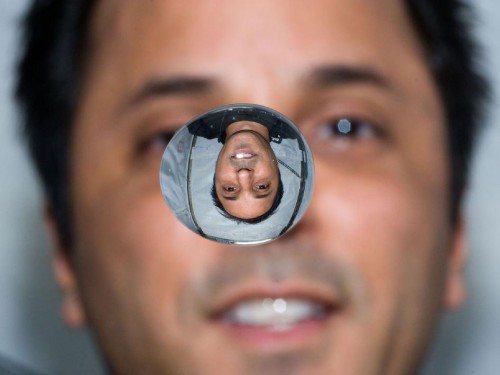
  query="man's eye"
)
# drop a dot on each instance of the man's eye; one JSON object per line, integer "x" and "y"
{"x": 261, "y": 186}
{"x": 229, "y": 188}
{"x": 346, "y": 128}
{"x": 157, "y": 142}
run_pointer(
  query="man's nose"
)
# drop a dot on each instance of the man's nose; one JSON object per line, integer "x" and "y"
{"x": 245, "y": 175}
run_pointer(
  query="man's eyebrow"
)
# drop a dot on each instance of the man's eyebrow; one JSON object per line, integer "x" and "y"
{"x": 337, "y": 75}
{"x": 261, "y": 196}
{"x": 171, "y": 86}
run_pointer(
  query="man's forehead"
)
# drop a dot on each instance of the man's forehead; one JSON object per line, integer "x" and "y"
{"x": 280, "y": 39}
{"x": 246, "y": 24}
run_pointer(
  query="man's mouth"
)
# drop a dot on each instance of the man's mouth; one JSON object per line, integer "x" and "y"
{"x": 265, "y": 320}
{"x": 275, "y": 313}
{"x": 243, "y": 155}
{"x": 275, "y": 299}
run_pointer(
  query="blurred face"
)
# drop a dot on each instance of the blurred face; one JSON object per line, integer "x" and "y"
{"x": 356, "y": 286}
{"x": 246, "y": 173}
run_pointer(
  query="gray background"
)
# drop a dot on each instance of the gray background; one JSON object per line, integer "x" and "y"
{"x": 32, "y": 333}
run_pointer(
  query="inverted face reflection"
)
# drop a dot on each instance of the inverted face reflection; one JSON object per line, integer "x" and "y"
{"x": 247, "y": 178}
{"x": 220, "y": 176}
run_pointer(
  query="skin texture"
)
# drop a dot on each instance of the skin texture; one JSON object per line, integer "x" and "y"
{"x": 376, "y": 241}
{"x": 246, "y": 187}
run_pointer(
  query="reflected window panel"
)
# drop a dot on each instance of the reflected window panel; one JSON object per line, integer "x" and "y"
{"x": 239, "y": 174}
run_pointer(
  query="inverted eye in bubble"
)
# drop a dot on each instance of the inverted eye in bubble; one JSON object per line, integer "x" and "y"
{"x": 257, "y": 152}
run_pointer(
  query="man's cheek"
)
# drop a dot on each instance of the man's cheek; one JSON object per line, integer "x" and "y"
{"x": 138, "y": 228}
{"x": 130, "y": 258}
{"x": 376, "y": 221}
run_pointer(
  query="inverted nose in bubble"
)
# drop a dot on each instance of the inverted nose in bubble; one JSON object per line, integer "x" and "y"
{"x": 244, "y": 175}
{"x": 243, "y": 170}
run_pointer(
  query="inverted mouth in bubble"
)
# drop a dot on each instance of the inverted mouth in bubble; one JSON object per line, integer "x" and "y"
{"x": 243, "y": 155}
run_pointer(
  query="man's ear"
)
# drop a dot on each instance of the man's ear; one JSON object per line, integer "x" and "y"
{"x": 72, "y": 311}
{"x": 455, "y": 289}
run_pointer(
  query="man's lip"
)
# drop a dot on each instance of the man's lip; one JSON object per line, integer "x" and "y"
{"x": 256, "y": 289}
{"x": 243, "y": 154}
{"x": 268, "y": 339}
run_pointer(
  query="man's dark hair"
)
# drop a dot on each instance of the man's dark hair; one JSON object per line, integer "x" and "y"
{"x": 52, "y": 66}
{"x": 277, "y": 200}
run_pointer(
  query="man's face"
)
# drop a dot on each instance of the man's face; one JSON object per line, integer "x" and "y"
{"x": 356, "y": 286}
{"x": 246, "y": 174}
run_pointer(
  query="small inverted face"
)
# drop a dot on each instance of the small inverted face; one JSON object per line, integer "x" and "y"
{"x": 224, "y": 177}
{"x": 246, "y": 174}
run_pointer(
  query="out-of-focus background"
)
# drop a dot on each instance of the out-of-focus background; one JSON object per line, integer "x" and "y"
{"x": 32, "y": 333}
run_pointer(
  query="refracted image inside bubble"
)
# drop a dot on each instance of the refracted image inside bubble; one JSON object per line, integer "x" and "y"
{"x": 240, "y": 174}
{"x": 247, "y": 183}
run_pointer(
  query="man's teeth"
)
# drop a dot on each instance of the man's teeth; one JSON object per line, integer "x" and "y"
{"x": 243, "y": 155}
{"x": 277, "y": 313}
